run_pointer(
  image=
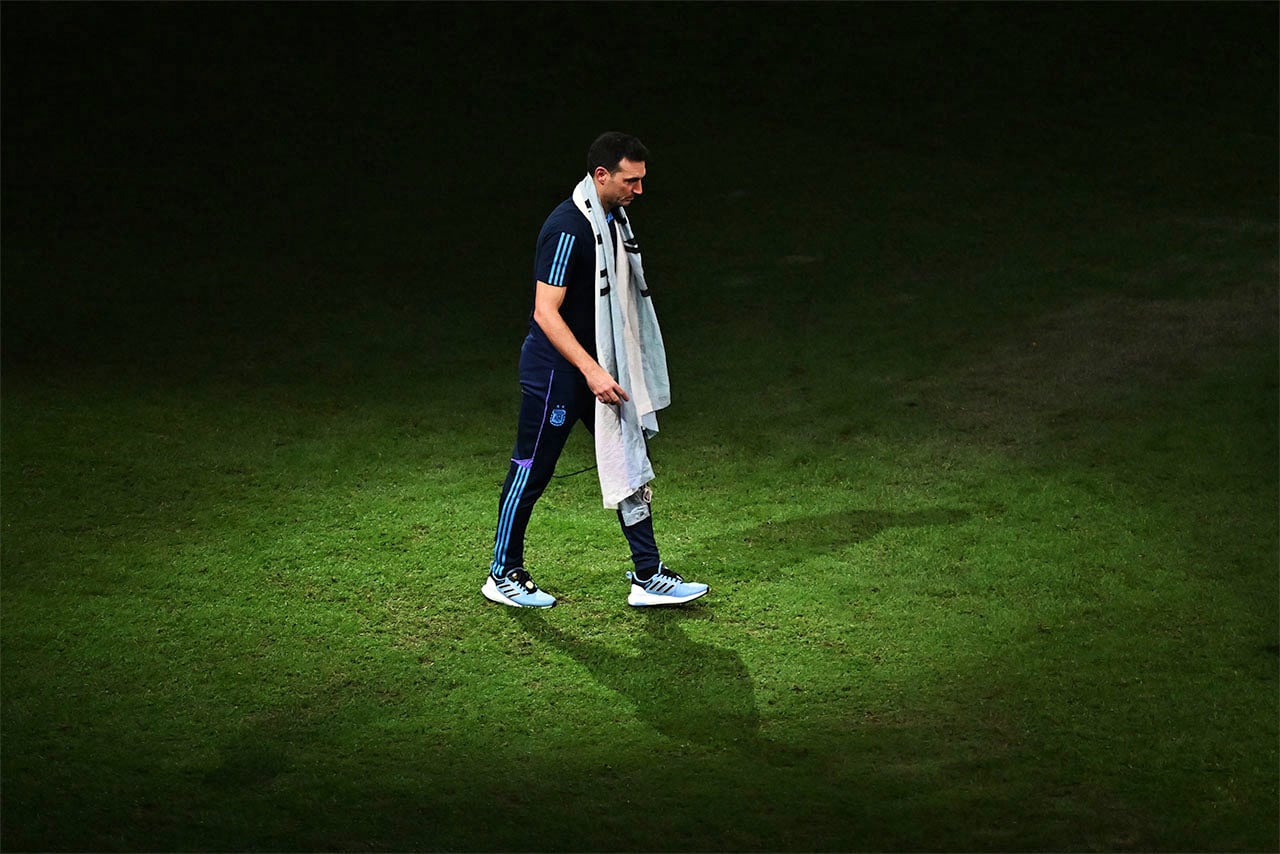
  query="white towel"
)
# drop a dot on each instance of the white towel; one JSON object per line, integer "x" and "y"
{"x": 629, "y": 346}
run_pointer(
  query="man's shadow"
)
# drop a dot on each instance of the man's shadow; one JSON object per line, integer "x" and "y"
{"x": 687, "y": 690}
{"x": 782, "y": 541}
{"x": 700, "y": 693}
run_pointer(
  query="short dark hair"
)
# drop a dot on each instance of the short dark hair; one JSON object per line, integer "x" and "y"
{"x": 611, "y": 147}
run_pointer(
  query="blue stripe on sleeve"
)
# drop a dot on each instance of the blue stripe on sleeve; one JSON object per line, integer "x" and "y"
{"x": 560, "y": 264}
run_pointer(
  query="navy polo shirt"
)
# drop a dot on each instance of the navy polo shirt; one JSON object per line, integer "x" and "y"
{"x": 566, "y": 258}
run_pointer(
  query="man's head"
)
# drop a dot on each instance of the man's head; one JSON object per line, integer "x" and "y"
{"x": 616, "y": 164}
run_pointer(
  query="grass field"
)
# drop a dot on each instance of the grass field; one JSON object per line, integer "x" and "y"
{"x": 974, "y": 438}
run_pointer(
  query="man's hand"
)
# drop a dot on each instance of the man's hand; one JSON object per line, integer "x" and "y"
{"x": 604, "y": 387}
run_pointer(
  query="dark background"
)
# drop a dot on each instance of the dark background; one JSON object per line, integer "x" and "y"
{"x": 185, "y": 181}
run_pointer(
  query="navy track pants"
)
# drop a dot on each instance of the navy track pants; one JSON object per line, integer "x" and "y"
{"x": 554, "y": 397}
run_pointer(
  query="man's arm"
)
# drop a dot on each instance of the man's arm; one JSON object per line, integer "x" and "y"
{"x": 546, "y": 313}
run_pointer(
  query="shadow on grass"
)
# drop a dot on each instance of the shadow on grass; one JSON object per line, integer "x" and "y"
{"x": 788, "y": 540}
{"x": 687, "y": 690}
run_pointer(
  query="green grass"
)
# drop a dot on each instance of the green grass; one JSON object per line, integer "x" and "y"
{"x": 969, "y": 604}
{"x": 976, "y": 446}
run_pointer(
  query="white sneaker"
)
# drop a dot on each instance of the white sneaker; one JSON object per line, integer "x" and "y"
{"x": 664, "y": 588}
{"x": 516, "y": 588}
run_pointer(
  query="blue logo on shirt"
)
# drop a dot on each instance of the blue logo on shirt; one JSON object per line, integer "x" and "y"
{"x": 557, "y": 417}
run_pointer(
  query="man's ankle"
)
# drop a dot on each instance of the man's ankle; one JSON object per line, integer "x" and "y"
{"x": 646, "y": 573}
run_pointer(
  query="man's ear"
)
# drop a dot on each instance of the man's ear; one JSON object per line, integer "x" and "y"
{"x": 600, "y": 173}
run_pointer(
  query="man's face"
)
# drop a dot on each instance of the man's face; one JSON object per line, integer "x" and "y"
{"x": 622, "y": 186}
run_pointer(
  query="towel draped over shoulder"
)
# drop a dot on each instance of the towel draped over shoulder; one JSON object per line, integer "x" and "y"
{"x": 629, "y": 346}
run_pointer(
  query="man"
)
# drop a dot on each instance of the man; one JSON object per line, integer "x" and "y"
{"x": 591, "y": 315}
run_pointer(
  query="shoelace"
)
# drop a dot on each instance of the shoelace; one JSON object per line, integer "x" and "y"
{"x": 521, "y": 577}
{"x": 663, "y": 573}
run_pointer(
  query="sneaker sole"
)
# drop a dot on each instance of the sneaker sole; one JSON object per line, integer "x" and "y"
{"x": 491, "y": 593}
{"x": 640, "y": 598}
